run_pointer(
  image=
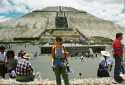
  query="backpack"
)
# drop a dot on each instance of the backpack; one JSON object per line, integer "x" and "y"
{"x": 103, "y": 69}
{"x": 59, "y": 56}
{"x": 103, "y": 65}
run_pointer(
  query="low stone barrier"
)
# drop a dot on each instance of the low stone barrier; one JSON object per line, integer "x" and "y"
{"x": 90, "y": 81}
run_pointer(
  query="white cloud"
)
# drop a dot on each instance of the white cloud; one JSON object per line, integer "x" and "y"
{"x": 3, "y": 10}
{"x": 106, "y": 1}
{"x": 110, "y": 11}
{"x": 20, "y": 5}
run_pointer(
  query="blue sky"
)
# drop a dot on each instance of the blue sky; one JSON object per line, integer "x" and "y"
{"x": 13, "y": 15}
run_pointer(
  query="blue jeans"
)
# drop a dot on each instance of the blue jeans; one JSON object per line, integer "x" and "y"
{"x": 118, "y": 66}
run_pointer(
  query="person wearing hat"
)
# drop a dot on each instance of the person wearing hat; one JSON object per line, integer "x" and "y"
{"x": 105, "y": 66}
{"x": 24, "y": 70}
{"x": 20, "y": 54}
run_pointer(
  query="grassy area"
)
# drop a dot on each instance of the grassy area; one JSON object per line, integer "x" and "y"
{"x": 5, "y": 26}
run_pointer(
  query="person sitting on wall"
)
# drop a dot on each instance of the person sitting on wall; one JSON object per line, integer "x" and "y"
{"x": 11, "y": 63}
{"x": 105, "y": 66}
{"x": 3, "y": 68}
{"x": 24, "y": 70}
{"x": 20, "y": 54}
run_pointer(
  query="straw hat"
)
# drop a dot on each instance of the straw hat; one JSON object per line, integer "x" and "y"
{"x": 27, "y": 56}
{"x": 105, "y": 53}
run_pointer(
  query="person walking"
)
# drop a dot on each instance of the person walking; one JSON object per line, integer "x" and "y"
{"x": 118, "y": 56}
{"x": 59, "y": 60}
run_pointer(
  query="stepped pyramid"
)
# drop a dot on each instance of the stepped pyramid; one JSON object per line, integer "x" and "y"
{"x": 42, "y": 26}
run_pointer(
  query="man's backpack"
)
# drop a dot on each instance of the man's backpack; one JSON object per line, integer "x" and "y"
{"x": 103, "y": 69}
{"x": 103, "y": 65}
{"x": 59, "y": 56}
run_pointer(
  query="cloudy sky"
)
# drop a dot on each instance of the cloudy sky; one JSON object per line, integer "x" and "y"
{"x": 107, "y": 1}
{"x": 105, "y": 9}
{"x": 24, "y": 6}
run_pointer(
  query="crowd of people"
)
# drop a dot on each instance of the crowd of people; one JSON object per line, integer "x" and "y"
{"x": 60, "y": 55}
{"x": 18, "y": 67}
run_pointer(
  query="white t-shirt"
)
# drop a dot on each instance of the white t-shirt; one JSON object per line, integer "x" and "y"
{"x": 2, "y": 56}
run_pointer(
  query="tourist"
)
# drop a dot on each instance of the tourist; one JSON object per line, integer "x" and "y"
{"x": 11, "y": 63}
{"x": 118, "y": 56}
{"x": 2, "y": 61}
{"x": 20, "y": 54}
{"x": 24, "y": 70}
{"x": 59, "y": 56}
{"x": 105, "y": 66}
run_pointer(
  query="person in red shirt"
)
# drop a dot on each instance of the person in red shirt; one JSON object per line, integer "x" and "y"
{"x": 118, "y": 55}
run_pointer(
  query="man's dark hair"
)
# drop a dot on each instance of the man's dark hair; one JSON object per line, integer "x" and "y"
{"x": 118, "y": 35}
{"x": 2, "y": 48}
{"x": 21, "y": 53}
{"x": 10, "y": 54}
{"x": 59, "y": 39}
